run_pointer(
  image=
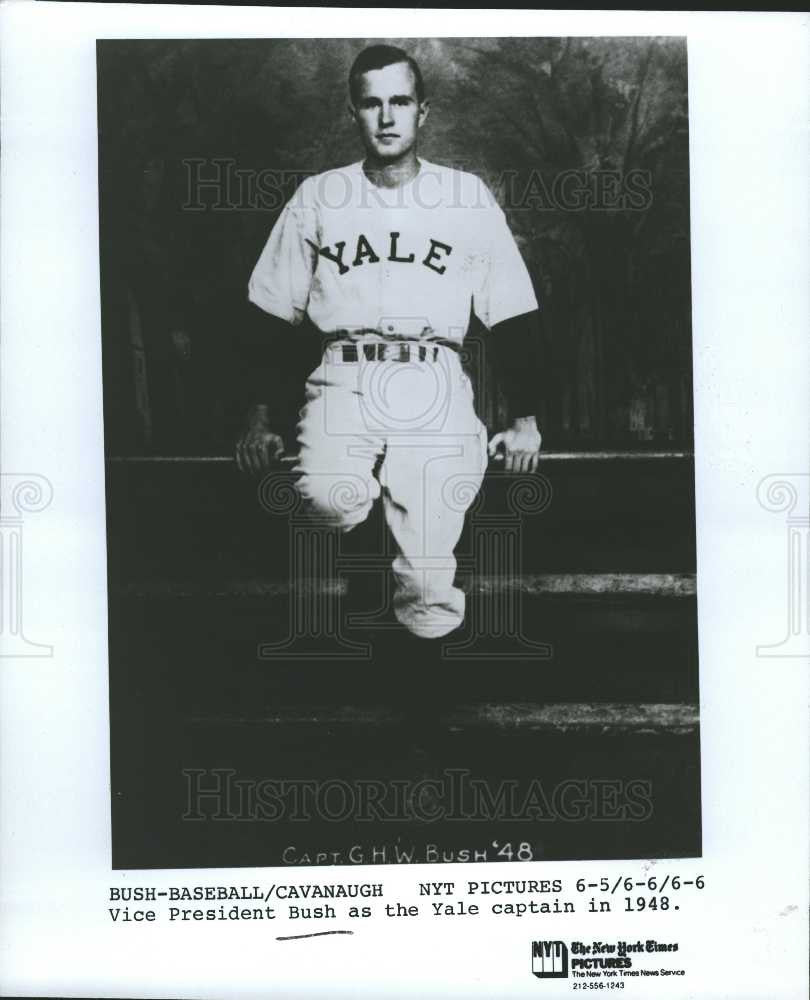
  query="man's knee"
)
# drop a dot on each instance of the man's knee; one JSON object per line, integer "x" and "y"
{"x": 341, "y": 501}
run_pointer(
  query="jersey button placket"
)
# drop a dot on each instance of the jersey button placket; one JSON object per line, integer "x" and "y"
{"x": 381, "y": 286}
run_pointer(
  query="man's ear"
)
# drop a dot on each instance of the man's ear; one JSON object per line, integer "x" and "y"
{"x": 424, "y": 111}
{"x": 351, "y": 112}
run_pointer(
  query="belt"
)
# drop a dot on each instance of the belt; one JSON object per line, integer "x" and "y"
{"x": 381, "y": 351}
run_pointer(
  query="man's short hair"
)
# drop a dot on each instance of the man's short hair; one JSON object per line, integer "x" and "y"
{"x": 378, "y": 57}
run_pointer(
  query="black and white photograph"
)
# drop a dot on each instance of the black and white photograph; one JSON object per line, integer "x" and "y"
{"x": 399, "y": 434}
{"x": 403, "y": 502}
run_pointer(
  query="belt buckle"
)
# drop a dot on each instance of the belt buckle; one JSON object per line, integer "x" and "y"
{"x": 382, "y": 351}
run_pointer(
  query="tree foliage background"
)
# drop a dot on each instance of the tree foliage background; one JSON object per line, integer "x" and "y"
{"x": 613, "y": 282}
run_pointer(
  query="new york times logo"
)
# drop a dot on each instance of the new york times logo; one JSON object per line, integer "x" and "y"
{"x": 549, "y": 959}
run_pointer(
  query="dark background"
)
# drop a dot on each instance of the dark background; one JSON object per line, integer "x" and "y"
{"x": 613, "y": 284}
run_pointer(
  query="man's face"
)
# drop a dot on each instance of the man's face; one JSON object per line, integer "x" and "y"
{"x": 388, "y": 112}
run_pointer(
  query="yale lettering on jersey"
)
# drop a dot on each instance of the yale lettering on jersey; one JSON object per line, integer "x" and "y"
{"x": 364, "y": 253}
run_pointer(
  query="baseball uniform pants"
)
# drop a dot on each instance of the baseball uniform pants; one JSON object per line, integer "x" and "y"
{"x": 408, "y": 407}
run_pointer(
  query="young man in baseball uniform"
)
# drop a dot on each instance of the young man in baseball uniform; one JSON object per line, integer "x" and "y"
{"x": 387, "y": 257}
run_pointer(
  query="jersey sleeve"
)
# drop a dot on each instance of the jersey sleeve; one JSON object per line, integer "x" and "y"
{"x": 281, "y": 280}
{"x": 506, "y": 287}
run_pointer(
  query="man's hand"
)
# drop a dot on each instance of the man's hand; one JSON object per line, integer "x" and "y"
{"x": 259, "y": 446}
{"x": 521, "y": 446}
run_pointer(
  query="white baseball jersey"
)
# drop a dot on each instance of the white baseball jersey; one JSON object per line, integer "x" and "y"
{"x": 410, "y": 261}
